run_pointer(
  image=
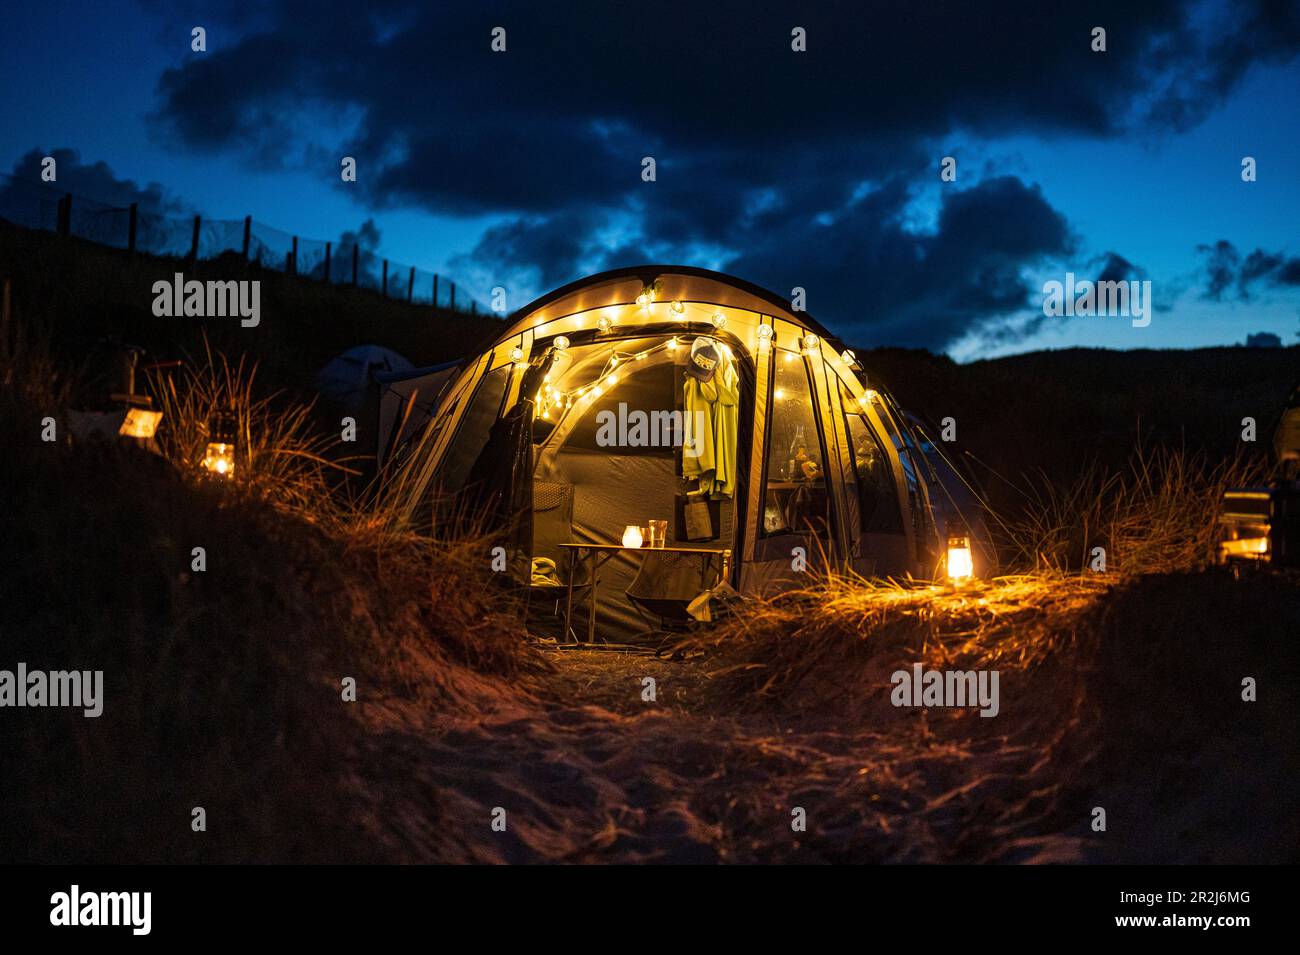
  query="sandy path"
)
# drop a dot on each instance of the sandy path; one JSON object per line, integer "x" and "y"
{"x": 595, "y": 773}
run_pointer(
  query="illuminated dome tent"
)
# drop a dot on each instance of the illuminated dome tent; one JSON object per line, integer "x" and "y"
{"x": 675, "y": 394}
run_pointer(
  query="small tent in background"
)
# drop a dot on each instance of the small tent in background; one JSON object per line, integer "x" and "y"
{"x": 682, "y": 396}
{"x": 350, "y": 383}
{"x": 348, "y": 378}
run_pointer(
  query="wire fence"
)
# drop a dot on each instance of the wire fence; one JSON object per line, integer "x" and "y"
{"x": 43, "y": 206}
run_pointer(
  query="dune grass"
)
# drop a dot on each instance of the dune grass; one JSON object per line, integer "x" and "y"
{"x": 1157, "y": 514}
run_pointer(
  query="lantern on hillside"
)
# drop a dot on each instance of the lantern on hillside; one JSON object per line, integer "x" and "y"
{"x": 960, "y": 565}
{"x": 223, "y": 436}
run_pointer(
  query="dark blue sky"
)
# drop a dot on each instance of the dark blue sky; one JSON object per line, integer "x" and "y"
{"x": 819, "y": 169}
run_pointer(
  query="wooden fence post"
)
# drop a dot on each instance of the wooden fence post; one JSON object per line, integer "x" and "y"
{"x": 131, "y": 226}
{"x": 248, "y": 234}
{"x": 194, "y": 240}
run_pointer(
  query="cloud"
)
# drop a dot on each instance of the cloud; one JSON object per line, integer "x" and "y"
{"x": 770, "y": 160}
{"x": 890, "y": 286}
{"x": 94, "y": 181}
{"x": 1227, "y": 273}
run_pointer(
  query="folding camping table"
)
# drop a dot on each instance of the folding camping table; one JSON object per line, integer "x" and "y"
{"x": 596, "y": 555}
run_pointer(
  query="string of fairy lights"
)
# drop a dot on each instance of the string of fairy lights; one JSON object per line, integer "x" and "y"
{"x": 552, "y": 401}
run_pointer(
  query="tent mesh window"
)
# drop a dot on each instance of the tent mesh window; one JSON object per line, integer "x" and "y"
{"x": 795, "y": 500}
{"x": 877, "y": 495}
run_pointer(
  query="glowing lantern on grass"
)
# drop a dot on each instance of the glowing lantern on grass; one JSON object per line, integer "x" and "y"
{"x": 219, "y": 458}
{"x": 139, "y": 423}
{"x": 960, "y": 566}
{"x": 632, "y": 536}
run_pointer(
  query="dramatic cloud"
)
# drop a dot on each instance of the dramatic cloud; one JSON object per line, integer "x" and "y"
{"x": 1227, "y": 273}
{"x": 94, "y": 181}
{"x": 789, "y": 168}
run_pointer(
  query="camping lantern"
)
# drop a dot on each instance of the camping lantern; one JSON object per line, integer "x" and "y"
{"x": 219, "y": 459}
{"x": 632, "y": 536}
{"x": 1260, "y": 524}
{"x": 139, "y": 423}
{"x": 960, "y": 566}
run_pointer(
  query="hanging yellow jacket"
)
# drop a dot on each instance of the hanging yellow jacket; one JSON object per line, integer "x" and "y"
{"x": 711, "y": 429}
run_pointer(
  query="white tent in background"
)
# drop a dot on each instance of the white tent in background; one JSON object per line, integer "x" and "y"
{"x": 348, "y": 378}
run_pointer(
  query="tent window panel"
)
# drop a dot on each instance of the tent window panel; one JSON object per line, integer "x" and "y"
{"x": 910, "y": 473}
{"x": 794, "y": 494}
{"x": 872, "y": 474}
{"x": 475, "y": 426}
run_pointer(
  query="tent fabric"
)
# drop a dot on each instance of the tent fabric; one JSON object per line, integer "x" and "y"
{"x": 712, "y": 409}
{"x": 346, "y": 378}
{"x": 418, "y": 389}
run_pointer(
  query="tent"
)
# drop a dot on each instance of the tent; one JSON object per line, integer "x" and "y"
{"x": 407, "y": 399}
{"x": 584, "y": 417}
{"x": 347, "y": 378}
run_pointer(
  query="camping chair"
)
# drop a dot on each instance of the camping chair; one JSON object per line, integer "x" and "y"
{"x": 663, "y": 588}
{"x": 553, "y": 523}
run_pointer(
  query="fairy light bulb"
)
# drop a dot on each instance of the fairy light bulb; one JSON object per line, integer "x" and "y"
{"x": 516, "y": 354}
{"x": 672, "y": 344}
{"x": 848, "y": 357}
{"x": 561, "y": 342}
{"x": 604, "y": 323}
{"x": 719, "y": 320}
{"x": 679, "y": 310}
{"x": 811, "y": 341}
{"x": 765, "y": 332}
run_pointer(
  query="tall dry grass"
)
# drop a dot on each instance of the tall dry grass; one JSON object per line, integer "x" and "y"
{"x": 280, "y": 456}
{"x": 1158, "y": 514}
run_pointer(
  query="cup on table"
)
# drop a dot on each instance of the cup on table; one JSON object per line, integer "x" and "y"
{"x": 658, "y": 533}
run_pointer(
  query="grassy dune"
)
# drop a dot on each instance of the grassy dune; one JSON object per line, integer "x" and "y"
{"x": 224, "y": 686}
